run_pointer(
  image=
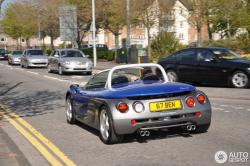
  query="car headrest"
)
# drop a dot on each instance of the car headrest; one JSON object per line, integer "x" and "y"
{"x": 151, "y": 77}
{"x": 119, "y": 80}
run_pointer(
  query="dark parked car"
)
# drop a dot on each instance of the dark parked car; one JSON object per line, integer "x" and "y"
{"x": 218, "y": 66}
{"x": 3, "y": 54}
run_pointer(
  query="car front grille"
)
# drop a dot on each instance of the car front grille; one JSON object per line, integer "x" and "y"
{"x": 39, "y": 63}
{"x": 79, "y": 68}
{"x": 148, "y": 97}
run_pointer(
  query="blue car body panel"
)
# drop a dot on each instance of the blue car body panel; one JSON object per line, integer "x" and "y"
{"x": 137, "y": 90}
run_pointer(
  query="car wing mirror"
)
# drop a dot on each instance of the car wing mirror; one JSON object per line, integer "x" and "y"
{"x": 87, "y": 56}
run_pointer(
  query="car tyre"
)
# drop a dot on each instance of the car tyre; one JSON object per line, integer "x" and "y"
{"x": 70, "y": 114}
{"x": 89, "y": 73}
{"x": 106, "y": 128}
{"x": 48, "y": 68}
{"x": 239, "y": 80}
{"x": 202, "y": 128}
{"x": 172, "y": 75}
{"x": 60, "y": 72}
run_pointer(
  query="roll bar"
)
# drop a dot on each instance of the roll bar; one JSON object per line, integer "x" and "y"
{"x": 109, "y": 81}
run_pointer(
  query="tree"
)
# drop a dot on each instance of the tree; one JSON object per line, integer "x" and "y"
{"x": 146, "y": 13}
{"x": 20, "y": 21}
{"x": 228, "y": 16}
{"x": 164, "y": 44}
{"x": 48, "y": 18}
{"x": 198, "y": 13}
{"x": 113, "y": 18}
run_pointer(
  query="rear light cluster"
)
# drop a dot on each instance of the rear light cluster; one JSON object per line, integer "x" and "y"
{"x": 190, "y": 101}
{"x": 122, "y": 107}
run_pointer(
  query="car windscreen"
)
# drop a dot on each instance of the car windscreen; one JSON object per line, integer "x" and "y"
{"x": 72, "y": 54}
{"x": 2, "y": 51}
{"x": 226, "y": 54}
{"x": 128, "y": 76}
{"x": 34, "y": 52}
{"x": 17, "y": 52}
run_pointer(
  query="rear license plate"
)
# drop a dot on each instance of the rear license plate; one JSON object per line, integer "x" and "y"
{"x": 165, "y": 105}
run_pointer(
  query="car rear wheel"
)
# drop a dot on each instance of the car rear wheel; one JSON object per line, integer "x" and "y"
{"x": 172, "y": 75}
{"x": 239, "y": 79}
{"x": 107, "y": 133}
{"x": 69, "y": 112}
{"x": 202, "y": 128}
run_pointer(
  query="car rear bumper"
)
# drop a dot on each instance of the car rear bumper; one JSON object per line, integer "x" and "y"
{"x": 124, "y": 126}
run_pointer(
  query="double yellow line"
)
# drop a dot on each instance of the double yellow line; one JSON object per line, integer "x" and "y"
{"x": 51, "y": 153}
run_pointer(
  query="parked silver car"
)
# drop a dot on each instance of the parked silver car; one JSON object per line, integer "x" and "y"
{"x": 34, "y": 58}
{"x": 14, "y": 58}
{"x": 69, "y": 61}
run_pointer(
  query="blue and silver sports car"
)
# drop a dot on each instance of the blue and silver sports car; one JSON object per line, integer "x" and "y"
{"x": 136, "y": 98}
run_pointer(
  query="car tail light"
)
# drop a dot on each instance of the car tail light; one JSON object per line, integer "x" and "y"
{"x": 201, "y": 99}
{"x": 198, "y": 114}
{"x": 190, "y": 102}
{"x": 133, "y": 122}
{"x": 122, "y": 107}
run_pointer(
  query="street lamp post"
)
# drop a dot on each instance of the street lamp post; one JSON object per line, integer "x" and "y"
{"x": 128, "y": 28}
{"x": 94, "y": 32}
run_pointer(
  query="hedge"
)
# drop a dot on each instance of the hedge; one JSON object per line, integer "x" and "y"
{"x": 101, "y": 53}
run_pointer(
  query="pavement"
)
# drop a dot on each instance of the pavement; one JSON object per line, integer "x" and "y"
{"x": 34, "y": 100}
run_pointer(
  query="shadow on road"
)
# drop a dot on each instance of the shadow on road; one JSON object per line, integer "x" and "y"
{"x": 155, "y": 135}
{"x": 34, "y": 103}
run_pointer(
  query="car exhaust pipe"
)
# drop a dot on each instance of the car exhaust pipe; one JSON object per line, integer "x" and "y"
{"x": 193, "y": 127}
{"x": 189, "y": 127}
{"x": 142, "y": 133}
{"x": 147, "y": 133}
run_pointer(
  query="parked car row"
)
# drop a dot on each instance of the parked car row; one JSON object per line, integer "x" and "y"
{"x": 61, "y": 60}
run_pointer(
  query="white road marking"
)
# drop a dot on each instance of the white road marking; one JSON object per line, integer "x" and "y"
{"x": 78, "y": 77}
{"x": 31, "y": 72}
{"x": 224, "y": 105}
{"x": 238, "y": 108}
{"x": 53, "y": 78}
{"x": 227, "y": 111}
{"x": 219, "y": 109}
{"x": 248, "y": 110}
{"x": 19, "y": 69}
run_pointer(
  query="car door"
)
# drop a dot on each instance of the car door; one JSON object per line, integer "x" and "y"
{"x": 187, "y": 65}
{"x": 84, "y": 100}
{"x": 211, "y": 70}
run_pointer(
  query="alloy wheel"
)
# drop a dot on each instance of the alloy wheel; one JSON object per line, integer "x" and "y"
{"x": 60, "y": 70}
{"x": 69, "y": 113}
{"x": 240, "y": 80}
{"x": 104, "y": 125}
{"x": 172, "y": 76}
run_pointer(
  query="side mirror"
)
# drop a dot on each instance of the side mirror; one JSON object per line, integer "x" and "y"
{"x": 87, "y": 56}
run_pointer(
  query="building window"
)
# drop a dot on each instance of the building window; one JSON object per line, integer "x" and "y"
{"x": 181, "y": 36}
{"x": 181, "y": 11}
{"x": 23, "y": 40}
{"x": 141, "y": 37}
{"x": 181, "y": 24}
{"x": 141, "y": 26}
{"x": 2, "y": 39}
